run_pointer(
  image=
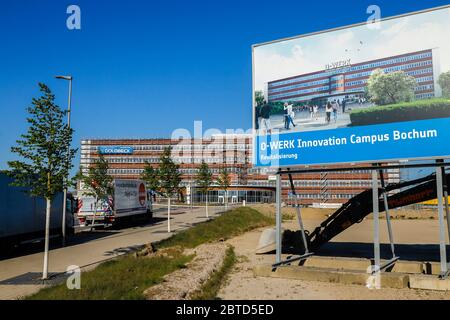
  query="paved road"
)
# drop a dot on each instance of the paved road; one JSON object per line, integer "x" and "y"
{"x": 19, "y": 276}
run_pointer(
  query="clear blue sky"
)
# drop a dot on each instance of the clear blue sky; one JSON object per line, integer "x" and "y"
{"x": 145, "y": 68}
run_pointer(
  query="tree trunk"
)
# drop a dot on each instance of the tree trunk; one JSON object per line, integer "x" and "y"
{"x": 225, "y": 201}
{"x": 206, "y": 205}
{"x": 47, "y": 238}
{"x": 168, "y": 215}
{"x": 95, "y": 213}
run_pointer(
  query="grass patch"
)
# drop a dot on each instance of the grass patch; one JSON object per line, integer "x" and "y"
{"x": 228, "y": 225}
{"x": 210, "y": 288}
{"x": 407, "y": 111}
{"x": 125, "y": 278}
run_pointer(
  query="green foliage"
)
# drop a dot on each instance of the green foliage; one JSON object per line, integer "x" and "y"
{"x": 125, "y": 278}
{"x": 277, "y": 107}
{"x": 259, "y": 98}
{"x": 224, "y": 179}
{"x": 228, "y": 225}
{"x": 45, "y": 158}
{"x": 444, "y": 82}
{"x": 169, "y": 175}
{"x": 211, "y": 287}
{"x": 408, "y": 111}
{"x": 97, "y": 182}
{"x": 390, "y": 88}
{"x": 151, "y": 177}
{"x": 204, "y": 177}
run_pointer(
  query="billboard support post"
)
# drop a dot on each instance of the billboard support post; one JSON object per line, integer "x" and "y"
{"x": 445, "y": 188}
{"x": 279, "y": 236}
{"x": 376, "y": 222}
{"x": 299, "y": 215}
{"x": 442, "y": 237}
{"x": 278, "y": 219}
{"x": 388, "y": 216}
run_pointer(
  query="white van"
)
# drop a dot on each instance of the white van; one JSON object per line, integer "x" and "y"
{"x": 129, "y": 199}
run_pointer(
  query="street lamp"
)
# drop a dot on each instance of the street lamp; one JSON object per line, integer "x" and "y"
{"x": 68, "y": 78}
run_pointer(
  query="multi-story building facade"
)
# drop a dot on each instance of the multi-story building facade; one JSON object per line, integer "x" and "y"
{"x": 128, "y": 157}
{"x": 347, "y": 80}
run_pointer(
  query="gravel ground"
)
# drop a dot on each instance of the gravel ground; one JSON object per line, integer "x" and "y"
{"x": 243, "y": 285}
{"x": 183, "y": 283}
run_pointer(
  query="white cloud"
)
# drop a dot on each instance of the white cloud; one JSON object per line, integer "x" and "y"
{"x": 396, "y": 28}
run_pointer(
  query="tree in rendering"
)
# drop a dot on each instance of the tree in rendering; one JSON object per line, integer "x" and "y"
{"x": 97, "y": 182}
{"x": 151, "y": 177}
{"x": 444, "y": 82}
{"x": 204, "y": 181}
{"x": 390, "y": 88}
{"x": 44, "y": 161}
{"x": 224, "y": 182}
{"x": 169, "y": 178}
{"x": 259, "y": 98}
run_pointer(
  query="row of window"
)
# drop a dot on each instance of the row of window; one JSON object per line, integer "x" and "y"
{"x": 325, "y": 196}
{"x": 369, "y": 65}
{"x": 229, "y": 160}
{"x": 318, "y": 89}
{"x": 301, "y": 85}
{"x": 424, "y": 95}
{"x": 392, "y": 69}
{"x": 199, "y": 146}
{"x": 425, "y": 87}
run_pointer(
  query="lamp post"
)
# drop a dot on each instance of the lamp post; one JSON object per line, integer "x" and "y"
{"x": 68, "y": 78}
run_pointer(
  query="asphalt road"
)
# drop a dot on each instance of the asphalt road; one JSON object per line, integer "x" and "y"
{"x": 20, "y": 273}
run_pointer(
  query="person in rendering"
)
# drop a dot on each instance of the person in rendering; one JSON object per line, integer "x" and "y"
{"x": 257, "y": 116}
{"x": 311, "y": 111}
{"x": 289, "y": 116}
{"x": 328, "y": 110}
{"x": 285, "y": 115}
{"x": 265, "y": 117}
{"x": 344, "y": 102}
{"x": 335, "y": 111}
{"x": 316, "y": 111}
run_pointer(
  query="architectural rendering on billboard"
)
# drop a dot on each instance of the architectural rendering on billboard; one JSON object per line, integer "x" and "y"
{"x": 359, "y": 93}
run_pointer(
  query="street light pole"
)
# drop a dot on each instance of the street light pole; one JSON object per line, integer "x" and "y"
{"x": 63, "y": 226}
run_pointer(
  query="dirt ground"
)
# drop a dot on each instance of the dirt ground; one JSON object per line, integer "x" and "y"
{"x": 320, "y": 214}
{"x": 413, "y": 237}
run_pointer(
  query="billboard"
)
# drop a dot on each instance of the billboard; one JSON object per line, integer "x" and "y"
{"x": 363, "y": 93}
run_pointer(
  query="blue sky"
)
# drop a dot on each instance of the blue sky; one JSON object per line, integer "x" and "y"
{"x": 145, "y": 68}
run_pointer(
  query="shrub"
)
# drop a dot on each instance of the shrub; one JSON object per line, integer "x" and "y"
{"x": 408, "y": 111}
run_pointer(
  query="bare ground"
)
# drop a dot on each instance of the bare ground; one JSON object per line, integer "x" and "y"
{"x": 185, "y": 282}
{"x": 243, "y": 285}
{"x": 322, "y": 214}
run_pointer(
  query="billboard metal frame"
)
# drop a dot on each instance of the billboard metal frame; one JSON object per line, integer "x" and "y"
{"x": 376, "y": 168}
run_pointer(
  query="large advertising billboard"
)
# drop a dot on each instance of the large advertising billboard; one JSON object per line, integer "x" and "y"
{"x": 364, "y": 93}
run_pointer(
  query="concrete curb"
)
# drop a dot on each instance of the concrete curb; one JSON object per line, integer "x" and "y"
{"x": 354, "y": 277}
{"x": 428, "y": 282}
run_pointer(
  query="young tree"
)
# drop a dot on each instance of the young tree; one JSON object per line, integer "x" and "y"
{"x": 224, "y": 182}
{"x": 45, "y": 161}
{"x": 151, "y": 177}
{"x": 169, "y": 178}
{"x": 444, "y": 82}
{"x": 204, "y": 181}
{"x": 97, "y": 182}
{"x": 390, "y": 88}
